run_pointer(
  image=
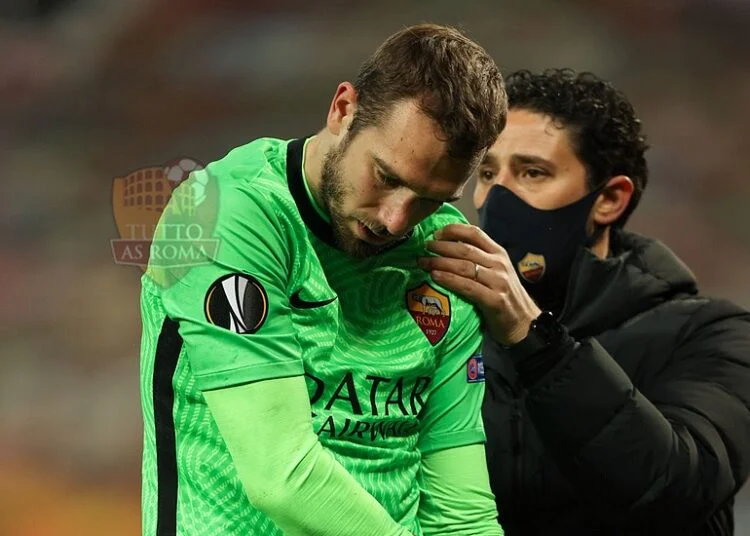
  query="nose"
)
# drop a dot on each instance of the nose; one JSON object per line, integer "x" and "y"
{"x": 502, "y": 178}
{"x": 482, "y": 188}
{"x": 397, "y": 214}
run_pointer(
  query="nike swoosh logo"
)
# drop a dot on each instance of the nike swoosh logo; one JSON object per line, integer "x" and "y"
{"x": 298, "y": 303}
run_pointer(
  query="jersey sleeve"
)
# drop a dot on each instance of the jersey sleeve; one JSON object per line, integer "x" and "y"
{"x": 452, "y": 414}
{"x": 456, "y": 497}
{"x": 232, "y": 303}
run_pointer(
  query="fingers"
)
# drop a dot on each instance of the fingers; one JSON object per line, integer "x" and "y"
{"x": 494, "y": 277}
{"x": 459, "y": 250}
{"x": 469, "y": 234}
{"x": 457, "y": 266}
{"x": 460, "y": 258}
{"x": 474, "y": 291}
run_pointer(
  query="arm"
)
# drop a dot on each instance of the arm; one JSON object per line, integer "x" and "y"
{"x": 456, "y": 496}
{"x": 669, "y": 459}
{"x": 284, "y": 469}
{"x": 672, "y": 458}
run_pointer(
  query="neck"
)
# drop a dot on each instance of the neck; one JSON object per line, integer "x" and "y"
{"x": 313, "y": 166}
{"x": 601, "y": 246}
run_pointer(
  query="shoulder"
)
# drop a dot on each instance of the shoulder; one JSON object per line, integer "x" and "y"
{"x": 236, "y": 210}
{"x": 251, "y": 186}
{"x": 685, "y": 326}
{"x": 256, "y": 169}
{"x": 715, "y": 319}
{"x": 710, "y": 343}
{"x": 464, "y": 316}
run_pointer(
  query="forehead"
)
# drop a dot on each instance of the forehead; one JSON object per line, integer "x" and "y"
{"x": 532, "y": 133}
{"x": 411, "y": 145}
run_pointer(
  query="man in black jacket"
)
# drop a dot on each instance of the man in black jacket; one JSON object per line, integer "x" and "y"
{"x": 618, "y": 398}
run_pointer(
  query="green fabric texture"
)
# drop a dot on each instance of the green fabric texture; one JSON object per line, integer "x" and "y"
{"x": 298, "y": 485}
{"x": 456, "y": 495}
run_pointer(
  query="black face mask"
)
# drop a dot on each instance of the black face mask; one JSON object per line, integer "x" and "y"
{"x": 542, "y": 244}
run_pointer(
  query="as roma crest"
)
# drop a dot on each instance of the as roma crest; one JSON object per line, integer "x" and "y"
{"x": 431, "y": 311}
{"x": 532, "y": 267}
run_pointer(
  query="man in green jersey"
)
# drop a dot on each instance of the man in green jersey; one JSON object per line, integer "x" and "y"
{"x": 306, "y": 377}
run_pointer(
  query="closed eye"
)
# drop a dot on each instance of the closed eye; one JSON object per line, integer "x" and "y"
{"x": 392, "y": 182}
{"x": 387, "y": 180}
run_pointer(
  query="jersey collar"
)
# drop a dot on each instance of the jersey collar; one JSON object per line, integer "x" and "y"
{"x": 295, "y": 176}
{"x": 311, "y": 215}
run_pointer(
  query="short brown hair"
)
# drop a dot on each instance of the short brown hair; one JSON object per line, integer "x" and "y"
{"x": 457, "y": 82}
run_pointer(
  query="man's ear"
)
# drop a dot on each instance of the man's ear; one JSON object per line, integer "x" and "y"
{"x": 341, "y": 112}
{"x": 613, "y": 200}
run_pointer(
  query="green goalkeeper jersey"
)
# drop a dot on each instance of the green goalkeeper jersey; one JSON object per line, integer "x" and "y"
{"x": 390, "y": 357}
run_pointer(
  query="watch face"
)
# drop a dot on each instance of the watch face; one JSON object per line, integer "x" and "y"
{"x": 547, "y": 326}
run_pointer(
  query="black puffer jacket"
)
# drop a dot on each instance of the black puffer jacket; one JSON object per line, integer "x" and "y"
{"x": 641, "y": 428}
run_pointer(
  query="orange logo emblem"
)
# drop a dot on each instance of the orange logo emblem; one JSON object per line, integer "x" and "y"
{"x": 532, "y": 267}
{"x": 431, "y": 311}
{"x": 141, "y": 198}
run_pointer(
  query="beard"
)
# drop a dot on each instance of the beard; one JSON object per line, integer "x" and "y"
{"x": 332, "y": 194}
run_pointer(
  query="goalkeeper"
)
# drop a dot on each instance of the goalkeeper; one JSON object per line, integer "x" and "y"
{"x": 307, "y": 377}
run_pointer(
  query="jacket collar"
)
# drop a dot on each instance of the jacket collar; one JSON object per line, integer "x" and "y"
{"x": 641, "y": 273}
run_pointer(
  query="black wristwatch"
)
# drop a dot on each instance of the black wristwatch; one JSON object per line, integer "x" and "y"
{"x": 544, "y": 332}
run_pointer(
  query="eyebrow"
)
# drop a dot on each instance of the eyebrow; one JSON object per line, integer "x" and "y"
{"x": 532, "y": 159}
{"x": 393, "y": 176}
{"x": 489, "y": 160}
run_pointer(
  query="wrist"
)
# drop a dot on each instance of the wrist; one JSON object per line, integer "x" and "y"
{"x": 521, "y": 329}
{"x": 520, "y": 332}
{"x": 542, "y": 333}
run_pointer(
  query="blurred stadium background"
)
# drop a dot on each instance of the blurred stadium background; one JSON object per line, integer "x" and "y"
{"x": 91, "y": 90}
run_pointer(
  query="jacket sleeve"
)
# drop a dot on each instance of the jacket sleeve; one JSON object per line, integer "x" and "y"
{"x": 671, "y": 457}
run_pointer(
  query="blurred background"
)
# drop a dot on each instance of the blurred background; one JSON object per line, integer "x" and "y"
{"x": 91, "y": 90}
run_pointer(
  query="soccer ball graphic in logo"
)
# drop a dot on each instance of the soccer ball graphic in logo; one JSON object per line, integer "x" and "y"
{"x": 178, "y": 171}
{"x": 188, "y": 198}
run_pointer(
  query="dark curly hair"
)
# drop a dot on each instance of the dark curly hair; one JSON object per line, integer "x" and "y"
{"x": 456, "y": 81}
{"x": 602, "y": 125}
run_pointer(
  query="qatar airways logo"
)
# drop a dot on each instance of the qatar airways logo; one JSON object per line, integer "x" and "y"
{"x": 388, "y": 407}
